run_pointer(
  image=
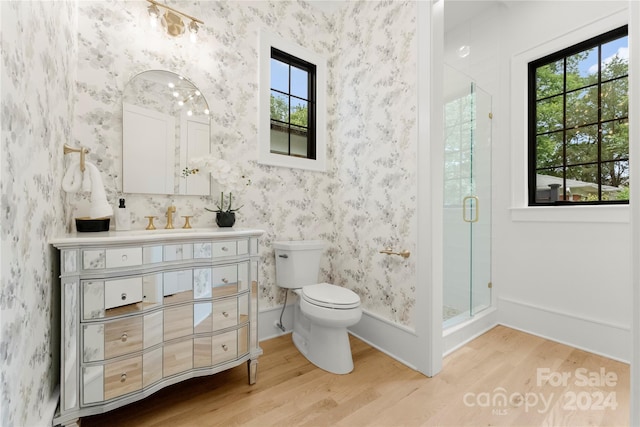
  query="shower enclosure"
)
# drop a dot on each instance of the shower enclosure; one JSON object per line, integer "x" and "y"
{"x": 467, "y": 199}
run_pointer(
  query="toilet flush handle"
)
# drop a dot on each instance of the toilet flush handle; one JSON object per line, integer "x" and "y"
{"x": 283, "y": 256}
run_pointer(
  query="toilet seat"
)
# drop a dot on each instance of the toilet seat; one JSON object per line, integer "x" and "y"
{"x": 330, "y": 296}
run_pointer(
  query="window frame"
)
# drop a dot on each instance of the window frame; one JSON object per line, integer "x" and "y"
{"x": 293, "y": 61}
{"x": 532, "y": 66}
{"x": 267, "y": 41}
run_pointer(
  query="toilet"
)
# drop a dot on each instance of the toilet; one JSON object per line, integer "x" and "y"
{"x": 324, "y": 311}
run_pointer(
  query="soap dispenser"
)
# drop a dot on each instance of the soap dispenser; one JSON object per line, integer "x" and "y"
{"x": 123, "y": 221}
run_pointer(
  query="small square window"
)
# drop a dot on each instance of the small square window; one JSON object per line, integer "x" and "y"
{"x": 292, "y": 105}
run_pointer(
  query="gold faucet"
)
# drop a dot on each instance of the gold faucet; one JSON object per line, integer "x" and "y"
{"x": 170, "y": 211}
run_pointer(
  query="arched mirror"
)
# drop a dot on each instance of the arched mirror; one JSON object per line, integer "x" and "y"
{"x": 165, "y": 123}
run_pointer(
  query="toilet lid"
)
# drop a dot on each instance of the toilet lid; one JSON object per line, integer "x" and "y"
{"x": 331, "y": 296}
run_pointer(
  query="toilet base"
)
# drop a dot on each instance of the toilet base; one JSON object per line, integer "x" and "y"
{"x": 337, "y": 360}
{"x": 326, "y": 347}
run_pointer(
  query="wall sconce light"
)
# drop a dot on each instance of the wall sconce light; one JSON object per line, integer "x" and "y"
{"x": 172, "y": 20}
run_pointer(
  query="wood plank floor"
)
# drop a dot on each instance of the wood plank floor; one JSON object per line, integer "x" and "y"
{"x": 543, "y": 384}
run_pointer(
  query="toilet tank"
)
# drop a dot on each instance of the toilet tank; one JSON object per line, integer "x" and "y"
{"x": 298, "y": 262}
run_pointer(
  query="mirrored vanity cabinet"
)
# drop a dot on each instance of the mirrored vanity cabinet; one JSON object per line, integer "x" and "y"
{"x": 142, "y": 310}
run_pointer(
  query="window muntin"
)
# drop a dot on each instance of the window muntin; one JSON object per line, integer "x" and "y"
{"x": 292, "y": 106}
{"x": 578, "y": 123}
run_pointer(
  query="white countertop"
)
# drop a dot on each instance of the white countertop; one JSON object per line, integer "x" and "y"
{"x": 135, "y": 236}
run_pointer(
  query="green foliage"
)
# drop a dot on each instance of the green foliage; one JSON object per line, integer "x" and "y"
{"x": 623, "y": 194}
{"x": 582, "y": 109}
{"x": 280, "y": 112}
{"x": 279, "y": 109}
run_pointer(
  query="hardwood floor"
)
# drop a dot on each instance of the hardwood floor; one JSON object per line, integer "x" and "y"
{"x": 543, "y": 384}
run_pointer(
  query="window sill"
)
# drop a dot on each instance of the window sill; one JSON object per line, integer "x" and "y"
{"x": 601, "y": 214}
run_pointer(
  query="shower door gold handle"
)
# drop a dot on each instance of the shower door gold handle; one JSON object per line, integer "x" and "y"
{"x": 464, "y": 209}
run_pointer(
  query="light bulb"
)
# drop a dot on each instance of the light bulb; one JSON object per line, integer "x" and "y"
{"x": 181, "y": 103}
{"x": 206, "y": 111}
{"x": 154, "y": 13}
{"x": 176, "y": 94}
{"x": 193, "y": 31}
{"x": 197, "y": 93}
{"x": 171, "y": 85}
{"x": 464, "y": 51}
{"x": 189, "y": 113}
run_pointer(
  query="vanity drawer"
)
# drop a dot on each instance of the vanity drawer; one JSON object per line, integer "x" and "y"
{"x": 225, "y": 313}
{"x": 230, "y": 248}
{"x": 122, "y": 292}
{"x": 97, "y": 259}
{"x": 224, "y": 347}
{"x": 222, "y": 249}
{"x": 177, "y": 358}
{"x": 112, "y": 298}
{"x": 122, "y": 377}
{"x": 122, "y": 337}
{"x": 111, "y": 339}
{"x": 123, "y": 257}
{"x": 227, "y": 280}
{"x": 114, "y": 379}
{"x": 178, "y": 252}
{"x": 178, "y": 322}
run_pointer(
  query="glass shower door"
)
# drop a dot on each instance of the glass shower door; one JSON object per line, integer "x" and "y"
{"x": 467, "y": 199}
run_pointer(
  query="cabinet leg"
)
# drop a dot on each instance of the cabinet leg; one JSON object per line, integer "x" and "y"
{"x": 252, "y": 366}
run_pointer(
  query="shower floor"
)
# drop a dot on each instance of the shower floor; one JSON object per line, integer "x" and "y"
{"x": 449, "y": 312}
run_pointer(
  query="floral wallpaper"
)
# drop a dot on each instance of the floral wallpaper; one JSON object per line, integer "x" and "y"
{"x": 115, "y": 44}
{"x": 64, "y": 83}
{"x": 366, "y": 200}
{"x": 374, "y": 117}
{"x": 39, "y": 51}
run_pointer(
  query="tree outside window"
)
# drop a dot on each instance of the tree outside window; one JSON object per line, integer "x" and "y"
{"x": 578, "y": 123}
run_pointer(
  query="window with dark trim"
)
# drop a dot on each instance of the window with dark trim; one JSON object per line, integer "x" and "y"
{"x": 579, "y": 124}
{"x": 293, "y": 106}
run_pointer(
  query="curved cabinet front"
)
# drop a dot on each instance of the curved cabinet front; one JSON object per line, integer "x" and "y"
{"x": 139, "y": 314}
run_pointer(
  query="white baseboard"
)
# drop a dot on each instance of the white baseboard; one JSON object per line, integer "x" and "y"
{"x": 50, "y": 408}
{"x": 396, "y": 341}
{"x": 592, "y": 335}
{"x": 390, "y": 338}
{"x": 457, "y": 336}
{"x": 269, "y": 317}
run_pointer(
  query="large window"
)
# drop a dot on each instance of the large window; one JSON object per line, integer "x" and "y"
{"x": 578, "y": 124}
{"x": 292, "y": 106}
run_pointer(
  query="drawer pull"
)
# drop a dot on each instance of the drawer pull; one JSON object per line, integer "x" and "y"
{"x": 124, "y": 337}
{"x": 225, "y": 249}
{"x": 123, "y": 296}
{"x": 123, "y": 377}
{"x": 224, "y": 347}
{"x": 125, "y": 258}
{"x": 225, "y": 281}
{"x": 225, "y": 314}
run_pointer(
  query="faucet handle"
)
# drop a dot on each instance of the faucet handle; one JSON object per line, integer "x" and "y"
{"x": 151, "y": 226}
{"x": 186, "y": 221}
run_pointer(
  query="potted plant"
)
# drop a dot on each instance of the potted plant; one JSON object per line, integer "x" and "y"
{"x": 225, "y": 213}
{"x": 231, "y": 178}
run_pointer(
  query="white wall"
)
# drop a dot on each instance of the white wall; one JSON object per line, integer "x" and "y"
{"x": 567, "y": 276}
